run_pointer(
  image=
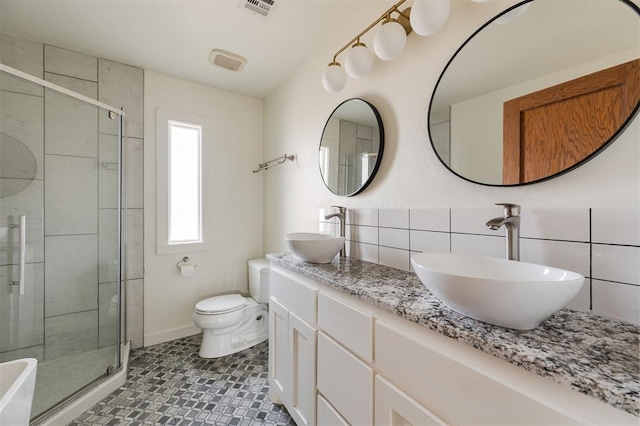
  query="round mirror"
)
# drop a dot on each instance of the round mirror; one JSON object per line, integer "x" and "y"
{"x": 351, "y": 147}
{"x": 537, "y": 91}
{"x": 18, "y": 166}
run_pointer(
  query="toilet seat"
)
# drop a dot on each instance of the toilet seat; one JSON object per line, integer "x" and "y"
{"x": 220, "y": 304}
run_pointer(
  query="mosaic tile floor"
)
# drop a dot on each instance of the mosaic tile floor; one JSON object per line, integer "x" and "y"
{"x": 168, "y": 384}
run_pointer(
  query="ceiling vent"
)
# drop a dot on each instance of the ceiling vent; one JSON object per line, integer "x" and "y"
{"x": 228, "y": 60}
{"x": 262, "y": 8}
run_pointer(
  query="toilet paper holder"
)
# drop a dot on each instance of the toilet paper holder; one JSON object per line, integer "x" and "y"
{"x": 181, "y": 263}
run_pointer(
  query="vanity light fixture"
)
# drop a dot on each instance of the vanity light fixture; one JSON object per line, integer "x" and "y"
{"x": 425, "y": 17}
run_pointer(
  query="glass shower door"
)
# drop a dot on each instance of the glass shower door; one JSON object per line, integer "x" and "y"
{"x": 60, "y": 206}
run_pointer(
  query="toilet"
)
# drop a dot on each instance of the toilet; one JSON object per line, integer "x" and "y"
{"x": 231, "y": 323}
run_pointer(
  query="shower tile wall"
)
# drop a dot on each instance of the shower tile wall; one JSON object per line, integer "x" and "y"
{"x": 601, "y": 244}
{"x": 77, "y": 156}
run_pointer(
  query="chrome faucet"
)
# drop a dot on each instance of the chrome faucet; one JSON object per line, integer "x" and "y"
{"x": 342, "y": 215}
{"x": 511, "y": 222}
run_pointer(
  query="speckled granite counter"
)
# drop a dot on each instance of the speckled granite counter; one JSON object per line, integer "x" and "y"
{"x": 593, "y": 355}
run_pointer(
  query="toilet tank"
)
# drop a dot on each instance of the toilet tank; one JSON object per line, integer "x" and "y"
{"x": 259, "y": 280}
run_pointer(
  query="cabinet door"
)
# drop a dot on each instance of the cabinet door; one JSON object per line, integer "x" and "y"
{"x": 302, "y": 389}
{"x": 395, "y": 408}
{"x": 278, "y": 351}
{"x": 327, "y": 415}
{"x": 345, "y": 381}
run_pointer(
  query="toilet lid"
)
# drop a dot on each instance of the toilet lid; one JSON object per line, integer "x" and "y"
{"x": 220, "y": 304}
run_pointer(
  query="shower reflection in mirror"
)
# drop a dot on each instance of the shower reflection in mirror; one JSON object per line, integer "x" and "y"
{"x": 351, "y": 147}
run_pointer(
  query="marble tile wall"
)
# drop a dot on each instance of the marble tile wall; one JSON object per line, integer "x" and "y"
{"x": 72, "y": 204}
{"x": 601, "y": 244}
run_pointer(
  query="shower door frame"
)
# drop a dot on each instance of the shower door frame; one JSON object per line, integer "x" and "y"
{"x": 121, "y": 240}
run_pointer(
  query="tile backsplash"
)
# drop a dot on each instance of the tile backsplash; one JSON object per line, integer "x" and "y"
{"x": 601, "y": 244}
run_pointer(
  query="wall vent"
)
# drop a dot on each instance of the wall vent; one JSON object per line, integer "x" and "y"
{"x": 262, "y": 8}
{"x": 228, "y": 60}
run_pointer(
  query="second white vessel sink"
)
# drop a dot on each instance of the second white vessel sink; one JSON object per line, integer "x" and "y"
{"x": 497, "y": 291}
{"x": 314, "y": 247}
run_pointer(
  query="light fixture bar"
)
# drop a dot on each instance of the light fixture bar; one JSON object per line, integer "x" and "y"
{"x": 356, "y": 38}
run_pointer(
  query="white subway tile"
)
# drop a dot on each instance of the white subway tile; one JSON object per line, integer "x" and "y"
{"x": 615, "y": 226}
{"x": 328, "y": 228}
{"x": 366, "y": 252}
{"x": 429, "y": 219}
{"x": 616, "y": 263}
{"x": 394, "y": 218}
{"x": 582, "y": 301}
{"x": 396, "y": 238}
{"x": 364, "y": 234}
{"x": 421, "y": 241}
{"x": 555, "y": 224}
{"x": 572, "y": 256}
{"x": 395, "y": 258}
{"x": 614, "y": 300}
{"x": 368, "y": 217}
{"x": 478, "y": 244}
{"x": 473, "y": 221}
{"x": 322, "y": 212}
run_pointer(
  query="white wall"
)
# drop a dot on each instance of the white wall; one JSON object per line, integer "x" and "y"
{"x": 410, "y": 174}
{"x": 236, "y": 204}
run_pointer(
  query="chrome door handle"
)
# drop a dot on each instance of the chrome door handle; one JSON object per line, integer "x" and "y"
{"x": 22, "y": 227}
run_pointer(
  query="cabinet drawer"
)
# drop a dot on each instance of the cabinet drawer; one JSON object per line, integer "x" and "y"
{"x": 395, "y": 408}
{"x": 345, "y": 381}
{"x": 351, "y": 328}
{"x": 295, "y": 295}
{"x": 327, "y": 415}
{"x": 457, "y": 391}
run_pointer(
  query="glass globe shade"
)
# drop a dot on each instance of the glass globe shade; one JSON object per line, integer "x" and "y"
{"x": 359, "y": 61}
{"x": 334, "y": 78}
{"x": 389, "y": 41}
{"x": 427, "y": 17}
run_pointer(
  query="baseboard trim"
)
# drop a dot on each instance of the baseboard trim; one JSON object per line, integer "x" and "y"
{"x": 168, "y": 335}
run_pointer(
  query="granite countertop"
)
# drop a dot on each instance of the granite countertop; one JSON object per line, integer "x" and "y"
{"x": 593, "y": 355}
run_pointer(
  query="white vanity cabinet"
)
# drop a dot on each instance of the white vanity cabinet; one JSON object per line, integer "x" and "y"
{"x": 337, "y": 360}
{"x": 292, "y": 346}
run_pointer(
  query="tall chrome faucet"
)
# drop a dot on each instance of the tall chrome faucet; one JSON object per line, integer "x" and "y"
{"x": 511, "y": 222}
{"x": 342, "y": 215}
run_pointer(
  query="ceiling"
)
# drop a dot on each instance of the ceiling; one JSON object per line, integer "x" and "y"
{"x": 175, "y": 37}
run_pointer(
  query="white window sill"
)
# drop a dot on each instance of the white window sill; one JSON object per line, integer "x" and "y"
{"x": 183, "y": 248}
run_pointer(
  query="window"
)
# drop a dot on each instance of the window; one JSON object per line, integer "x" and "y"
{"x": 180, "y": 226}
{"x": 185, "y": 183}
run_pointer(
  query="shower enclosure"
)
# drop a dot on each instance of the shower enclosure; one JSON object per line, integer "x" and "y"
{"x": 60, "y": 236}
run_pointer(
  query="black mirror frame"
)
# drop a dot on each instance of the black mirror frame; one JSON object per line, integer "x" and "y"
{"x": 376, "y": 166}
{"x": 567, "y": 170}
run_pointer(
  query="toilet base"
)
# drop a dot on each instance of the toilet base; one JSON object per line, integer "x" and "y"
{"x": 219, "y": 346}
{"x": 253, "y": 330}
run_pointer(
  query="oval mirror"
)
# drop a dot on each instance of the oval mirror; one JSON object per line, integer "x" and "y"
{"x": 18, "y": 166}
{"x": 351, "y": 147}
{"x": 537, "y": 91}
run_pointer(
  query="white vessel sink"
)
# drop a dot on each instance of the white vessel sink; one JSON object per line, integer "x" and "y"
{"x": 497, "y": 291}
{"x": 17, "y": 383}
{"x": 313, "y": 247}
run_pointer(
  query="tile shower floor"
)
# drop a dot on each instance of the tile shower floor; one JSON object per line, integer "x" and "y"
{"x": 169, "y": 384}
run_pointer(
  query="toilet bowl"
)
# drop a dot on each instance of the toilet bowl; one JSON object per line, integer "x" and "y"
{"x": 231, "y": 323}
